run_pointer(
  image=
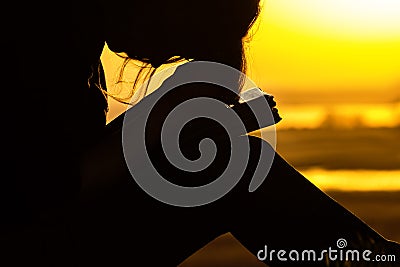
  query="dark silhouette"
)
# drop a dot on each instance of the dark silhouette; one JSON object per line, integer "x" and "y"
{"x": 53, "y": 117}
{"x": 77, "y": 202}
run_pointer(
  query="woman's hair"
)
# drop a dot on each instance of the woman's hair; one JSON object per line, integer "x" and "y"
{"x": 167, "y": 31}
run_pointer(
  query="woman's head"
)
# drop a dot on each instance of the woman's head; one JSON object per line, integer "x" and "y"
{"x": 156, "y": 31}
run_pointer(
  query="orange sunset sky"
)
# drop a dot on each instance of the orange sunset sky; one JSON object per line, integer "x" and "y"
{"x": 317, "y": 54}
{"x": 342, "y": 48}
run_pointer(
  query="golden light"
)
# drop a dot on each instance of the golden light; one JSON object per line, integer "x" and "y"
{"x": 332, "y": 46}
{"x": 354, "y": 18}
{"x": 354, "y": 180}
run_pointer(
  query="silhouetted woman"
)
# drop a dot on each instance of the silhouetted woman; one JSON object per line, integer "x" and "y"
{"x": 71, "y": 153}
{"x": 125, "y": 225}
